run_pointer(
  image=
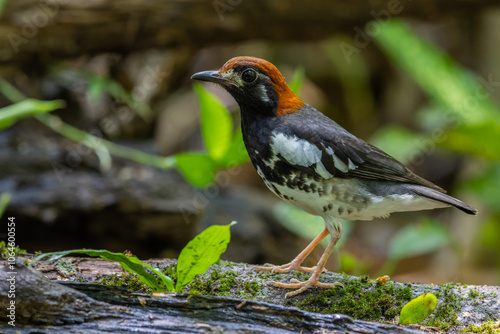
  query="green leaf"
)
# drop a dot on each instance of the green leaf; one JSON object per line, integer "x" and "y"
{"x": 201, "y": 252}
{"x": 417, "y": 239}
{"x": 418, "y": 309}
{"x": 4, "y": 202}
{"x": 198, "y": 169}
{"x": 298, "y": 80}
{"x": 129, "y": 263}
{"x": 216, "y": 124}
{"x": 237, "y": 153}
{"x": 26, "y": 108}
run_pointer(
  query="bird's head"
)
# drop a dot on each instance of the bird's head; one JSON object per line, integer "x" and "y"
{"x": 256, "y": 85}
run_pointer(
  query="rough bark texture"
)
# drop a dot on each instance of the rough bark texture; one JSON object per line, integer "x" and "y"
{"x": 66, "y": 28}
{"x": 50, "y": 307}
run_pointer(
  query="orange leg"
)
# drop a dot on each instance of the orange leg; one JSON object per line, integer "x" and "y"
{"x": 314, "y": 279}
{"x": 295, "y": 264}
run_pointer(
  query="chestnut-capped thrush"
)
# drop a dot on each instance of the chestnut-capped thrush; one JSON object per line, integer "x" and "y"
{"x": 310, "y": 161}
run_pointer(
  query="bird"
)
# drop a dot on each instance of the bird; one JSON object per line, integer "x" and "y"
{"x": 310, "y": 161}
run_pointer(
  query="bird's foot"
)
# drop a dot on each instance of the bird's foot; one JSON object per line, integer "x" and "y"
{"x": 286, "y": 268}
{"x": 303, "y": 286}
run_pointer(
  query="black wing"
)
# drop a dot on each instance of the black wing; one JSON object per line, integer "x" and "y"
{"x": 342, "y": 154}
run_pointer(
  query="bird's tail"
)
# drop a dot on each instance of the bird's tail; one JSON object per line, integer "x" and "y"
{"x": 441, "y": 197}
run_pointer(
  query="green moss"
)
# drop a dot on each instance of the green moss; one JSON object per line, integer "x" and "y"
{"x": 252, "y": 287}
{"x": 170, "y": 271}
{"x": 216, "y": 284}
{"x": 473, "y": 293}
{"x": 445, "y": 314}
{"x": 359, "y": 299}
{"x": 6, "y": 252}
{"x": 489, "y": 327}
{"x": 125, "y": 280}
{"x": 225, "y": 284}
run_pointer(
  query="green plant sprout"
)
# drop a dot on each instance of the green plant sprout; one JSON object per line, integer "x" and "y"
{"x": 195, "y": 259}
{"x": 201, "y": 252}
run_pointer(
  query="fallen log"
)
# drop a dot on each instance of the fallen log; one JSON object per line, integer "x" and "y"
{"x": 240, "y": 302}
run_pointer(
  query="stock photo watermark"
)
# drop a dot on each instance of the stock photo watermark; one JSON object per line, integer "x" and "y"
{"x": 223, "y": 6}
{"x": 32, "y": 23}
{"x": 11, "y": 272}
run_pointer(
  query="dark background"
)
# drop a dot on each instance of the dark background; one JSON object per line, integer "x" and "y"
{"x": 65, "y": 197}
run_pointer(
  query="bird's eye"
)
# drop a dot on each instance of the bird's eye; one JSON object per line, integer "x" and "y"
{"x": 249, "y": 76}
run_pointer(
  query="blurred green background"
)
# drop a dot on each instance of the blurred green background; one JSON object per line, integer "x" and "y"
{"x": 105, "y": 142}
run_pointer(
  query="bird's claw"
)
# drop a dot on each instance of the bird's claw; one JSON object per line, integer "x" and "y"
{"x": 286, "y": 268}
{"x": 303, "y": 286}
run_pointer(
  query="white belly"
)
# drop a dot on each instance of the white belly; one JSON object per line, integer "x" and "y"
{"x": 346, "y": 199}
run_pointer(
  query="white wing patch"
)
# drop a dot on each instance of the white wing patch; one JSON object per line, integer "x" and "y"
{"x": 300, "y": 152}
{"x": 351, "y": 165}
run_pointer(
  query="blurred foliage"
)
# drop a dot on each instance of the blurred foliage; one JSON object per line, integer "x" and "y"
{"x": 23, "y": 107}
{"x": 225, "y": 148}
{"x": 469, "y": 116}
{"x": 2, "y": 5}
{"x": 424, "y": 237}
{"x": 98, "y": 85}
{"x": 26, "y": 108}
{"x": 4, "y": 202}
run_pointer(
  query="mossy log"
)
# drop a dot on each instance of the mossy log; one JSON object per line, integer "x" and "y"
{"x": 230, "y": 297}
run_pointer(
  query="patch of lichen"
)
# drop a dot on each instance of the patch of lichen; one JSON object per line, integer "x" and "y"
{"x": 358, "y": 299}
{"x": 449, "y": 305}
{"x": 126, "y": 280}
{"x": 488, "y": 327}
{"x": 65, "y": 267}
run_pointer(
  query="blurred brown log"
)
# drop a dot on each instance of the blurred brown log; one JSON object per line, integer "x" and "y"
{"x": 65, "y": 28}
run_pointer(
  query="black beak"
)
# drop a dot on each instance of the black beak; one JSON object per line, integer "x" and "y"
{"x": 211, "y": 76}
